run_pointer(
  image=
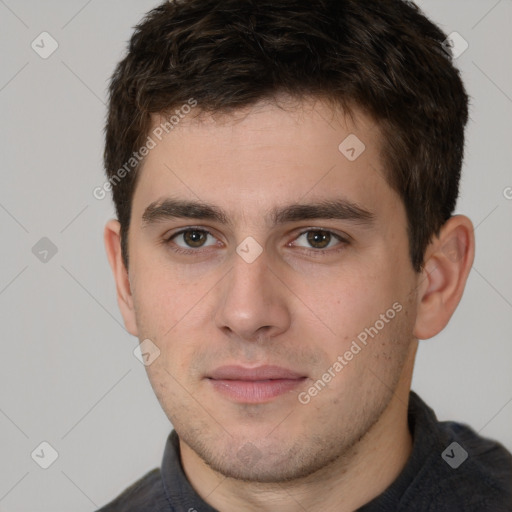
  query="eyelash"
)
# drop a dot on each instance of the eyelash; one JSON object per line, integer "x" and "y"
{"x": 342, "y": 242}
{"x": 181, "y": 250}
{"x": 311, "y": 251}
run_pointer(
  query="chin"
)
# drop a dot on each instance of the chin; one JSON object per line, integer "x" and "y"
{"x": 266, "y": 461}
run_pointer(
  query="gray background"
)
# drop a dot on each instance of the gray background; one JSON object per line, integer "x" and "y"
{"x": 67, "y": 372}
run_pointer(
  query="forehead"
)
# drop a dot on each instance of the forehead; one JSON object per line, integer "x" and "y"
{"x": 264, "y": 156}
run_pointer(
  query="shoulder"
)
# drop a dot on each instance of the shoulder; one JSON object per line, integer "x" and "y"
{"x": 467, "y": 473}
{"x": 147, "y": 494}
{"x": 487, "y": 470}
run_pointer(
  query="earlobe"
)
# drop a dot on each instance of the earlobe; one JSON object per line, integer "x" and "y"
{"x": 112, "y": 240}
{"x": 448, "y": 261}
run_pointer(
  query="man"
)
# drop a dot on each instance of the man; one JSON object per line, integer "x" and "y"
{"x": 285, "y": 174}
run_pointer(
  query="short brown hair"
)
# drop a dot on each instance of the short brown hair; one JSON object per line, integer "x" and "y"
{"x": 382, "y": 56}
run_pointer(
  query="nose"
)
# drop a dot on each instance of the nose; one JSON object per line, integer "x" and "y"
{"x": 252, "y": 301}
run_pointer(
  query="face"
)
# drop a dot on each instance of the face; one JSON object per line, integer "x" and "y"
{"x": 273, "y": 274}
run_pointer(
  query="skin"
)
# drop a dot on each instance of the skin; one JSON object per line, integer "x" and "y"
{"x": 297, "y": 306}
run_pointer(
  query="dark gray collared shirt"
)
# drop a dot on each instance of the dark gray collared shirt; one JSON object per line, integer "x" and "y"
{"x": 451, "y": 469}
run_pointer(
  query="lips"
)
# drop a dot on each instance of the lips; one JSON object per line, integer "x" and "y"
{"x": 254, "y": 385}
{"x": 253, "y": 374}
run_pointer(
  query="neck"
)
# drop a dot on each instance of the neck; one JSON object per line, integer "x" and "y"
{"x": 348, "y": 483}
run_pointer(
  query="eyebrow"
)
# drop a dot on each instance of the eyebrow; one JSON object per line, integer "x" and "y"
{"x": 340, "y": 209}
{"x": 178, "y": 209}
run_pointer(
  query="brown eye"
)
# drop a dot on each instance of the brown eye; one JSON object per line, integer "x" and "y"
{"x": 194, "y": 238}
{"x": 319, "y": 239}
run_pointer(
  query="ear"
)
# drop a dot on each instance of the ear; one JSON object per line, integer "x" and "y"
{"x": 448, "y": 261}
{"x": 112, "y": 239}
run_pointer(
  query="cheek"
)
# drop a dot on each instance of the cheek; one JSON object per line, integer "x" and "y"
{"x": 163, "y": 298}
{"x": 171, "y": 310}
{"x": 367, "y": 363}
{"x": 349, "y": 301}
{"x": 368, "y": 316}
